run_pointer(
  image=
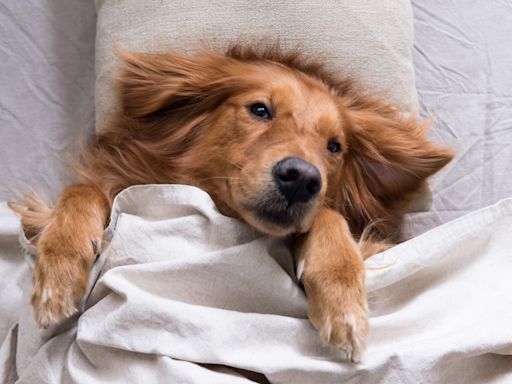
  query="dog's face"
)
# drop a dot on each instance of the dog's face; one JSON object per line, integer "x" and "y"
{"x": 273, "y": 141}
{"x": 278, "y": 148}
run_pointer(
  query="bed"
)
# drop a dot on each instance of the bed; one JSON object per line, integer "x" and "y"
{"x": 441, "y": 316}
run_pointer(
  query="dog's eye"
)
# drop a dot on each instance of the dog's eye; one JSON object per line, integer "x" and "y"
{"x": 260, "y": 110}
{"x": 334, "y": 146}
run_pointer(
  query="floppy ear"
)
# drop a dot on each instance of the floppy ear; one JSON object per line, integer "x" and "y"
{"x": 165, "y": 99}
{"x": 388, "y": 159}
{"x": 152, "y": 84}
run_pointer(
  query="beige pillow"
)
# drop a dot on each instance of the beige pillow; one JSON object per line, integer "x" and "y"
{"x": 369, "y": 41}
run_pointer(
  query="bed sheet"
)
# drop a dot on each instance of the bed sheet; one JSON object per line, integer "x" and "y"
{"x": 177, "y": 298}
{"x": 462, "y": 58}
{"x": 46, "y": 91}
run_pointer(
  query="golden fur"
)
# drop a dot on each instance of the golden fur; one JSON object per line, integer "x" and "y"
{"x": 185, "y": 119}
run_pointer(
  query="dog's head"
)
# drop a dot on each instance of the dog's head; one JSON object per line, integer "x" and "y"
{"x": 273, "y": 137}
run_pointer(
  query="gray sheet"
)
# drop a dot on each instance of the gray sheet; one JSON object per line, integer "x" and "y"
{"x": 463, "y": 60}
{"x": 46, "y": 90}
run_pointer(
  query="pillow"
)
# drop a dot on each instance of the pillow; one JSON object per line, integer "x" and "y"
{"x": 369, "y": 41}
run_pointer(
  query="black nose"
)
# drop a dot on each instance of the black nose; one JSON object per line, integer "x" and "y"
{"x": 298, "y": 180}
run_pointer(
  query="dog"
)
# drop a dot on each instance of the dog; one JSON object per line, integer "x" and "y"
{"x": 277, "y": 141}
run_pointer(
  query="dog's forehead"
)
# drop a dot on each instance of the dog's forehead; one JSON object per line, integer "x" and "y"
{"x": 307, "y": 100}
{"x": 294, "y": 93}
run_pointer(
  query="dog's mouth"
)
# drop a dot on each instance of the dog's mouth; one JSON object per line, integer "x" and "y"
{"x": 275, "y": 210}
{"x": 272, "y": 214}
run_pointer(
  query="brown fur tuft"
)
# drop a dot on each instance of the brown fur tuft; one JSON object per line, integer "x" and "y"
{"x": 35, "y": 214}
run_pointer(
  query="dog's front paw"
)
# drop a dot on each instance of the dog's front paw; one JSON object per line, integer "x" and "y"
{"x": 339, "y": 313}
{"x": 54, "y": 296}
{"x": 60, "y": 278}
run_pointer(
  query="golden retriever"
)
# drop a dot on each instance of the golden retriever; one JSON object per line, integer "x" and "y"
{"x": 276, "y": 141}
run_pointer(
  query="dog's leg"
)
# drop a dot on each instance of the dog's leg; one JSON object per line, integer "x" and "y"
{"x": 331, "y": 267}
{"x": 66, "y": 249}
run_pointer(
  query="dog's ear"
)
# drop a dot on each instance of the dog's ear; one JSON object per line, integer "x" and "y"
{"x": 388, "y": 159}
{"x": 156, "y": 84}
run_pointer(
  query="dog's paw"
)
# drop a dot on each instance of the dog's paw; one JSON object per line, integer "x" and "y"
{"x": 58, "y": 287}
{"x": 339, "y": 313}
{"x": 347, "y": 331}
{"x": 52, "y": 302}
{"x": 60, "y": 278}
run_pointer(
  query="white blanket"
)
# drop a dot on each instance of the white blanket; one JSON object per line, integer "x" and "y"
{"x": 186, "y": 295}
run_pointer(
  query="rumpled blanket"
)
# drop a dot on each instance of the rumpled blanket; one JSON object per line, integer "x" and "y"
{"x": 183, "y": 294}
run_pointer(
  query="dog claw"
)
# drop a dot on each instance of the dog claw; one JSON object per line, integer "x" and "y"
{"x": 346, "y": 334}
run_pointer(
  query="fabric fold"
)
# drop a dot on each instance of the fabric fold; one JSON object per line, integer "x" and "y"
{"x": 182, "y": 293}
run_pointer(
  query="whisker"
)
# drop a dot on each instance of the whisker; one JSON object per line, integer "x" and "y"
{"x": 220, "y": 177}
{"x": 230, "y": 161}
{"x": 329, "y": 201}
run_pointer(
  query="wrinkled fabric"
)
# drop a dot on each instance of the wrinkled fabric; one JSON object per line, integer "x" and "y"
{"x": 462, "y": 58}
{"x": 13, "y": 269}
{"x": 46, "y": 92}
{"x": 185, "y": 294}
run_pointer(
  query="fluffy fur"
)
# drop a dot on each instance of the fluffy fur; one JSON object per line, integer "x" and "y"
{"x": 186, "y": 120}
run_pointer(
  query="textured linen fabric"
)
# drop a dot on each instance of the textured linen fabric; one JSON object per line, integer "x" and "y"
{"x": 370, "y": 41}
{"x": 186, "y": 295}
{"x": 46, "y": 92}
{"x": 462, "y": 57}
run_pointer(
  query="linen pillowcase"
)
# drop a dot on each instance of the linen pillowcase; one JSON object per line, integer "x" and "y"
{"x": 369, "y": 41}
